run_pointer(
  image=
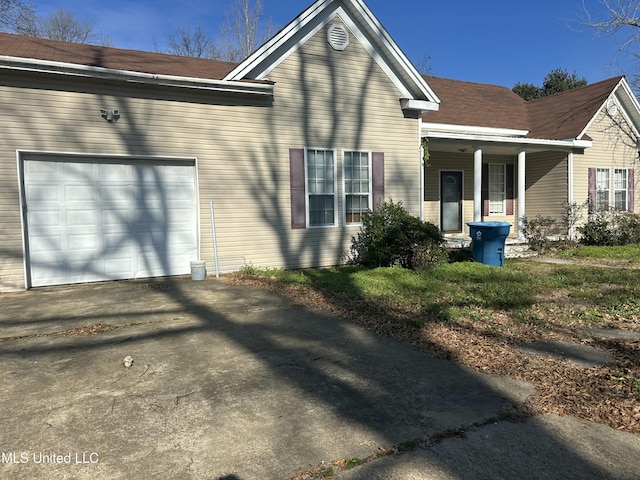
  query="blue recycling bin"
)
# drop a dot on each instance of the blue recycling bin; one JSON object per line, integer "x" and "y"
{"x": 487, "y": 241}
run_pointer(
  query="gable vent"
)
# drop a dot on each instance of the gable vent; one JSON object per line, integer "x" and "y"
{"x": 612, "y": 107}
{"x": 338, "y": 37}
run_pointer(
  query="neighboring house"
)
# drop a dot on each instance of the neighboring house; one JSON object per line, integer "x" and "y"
{"x": 495, "y": 157}
{"x": 110, "y": 158}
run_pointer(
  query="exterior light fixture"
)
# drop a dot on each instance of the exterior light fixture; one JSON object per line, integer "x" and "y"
{"x": 110, "y": 115}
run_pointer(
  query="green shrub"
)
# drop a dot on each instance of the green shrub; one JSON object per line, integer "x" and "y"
{"x": 611, "y": 228}
{"x": 597, "y": 232}
{"x": 428, "y": 255}
{"x": 391, "y": 236}
{"x": 627, "y": 228}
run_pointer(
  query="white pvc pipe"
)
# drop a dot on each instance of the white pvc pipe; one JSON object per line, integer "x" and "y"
{"x": 215, "y": 242}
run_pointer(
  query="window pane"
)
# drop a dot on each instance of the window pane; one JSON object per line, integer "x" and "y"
{"x": 356, "y": 185}
{"x": 321, "y": 187}
{"x": 620, "y": 188}
{"x": 357, "y": 207}
{"x": 320, "y": 171}
{"x": 321, "y": 210}
{"x": 621, "y": 201}
{"x": 497, "y": 188}
{"x": 602, "y": 189}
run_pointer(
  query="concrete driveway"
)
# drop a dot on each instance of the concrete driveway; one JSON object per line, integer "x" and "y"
{"x": 238, "y": 383}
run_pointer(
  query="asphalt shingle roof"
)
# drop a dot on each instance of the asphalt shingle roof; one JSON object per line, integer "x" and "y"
{"x": 565, "y": 115}
{"x": 112, "y": 58}
{"x": 557, "y": 117}
{"x": 477, "y": 104}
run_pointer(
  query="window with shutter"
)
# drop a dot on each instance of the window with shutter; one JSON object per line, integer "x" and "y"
{"x": 313, "y": 186}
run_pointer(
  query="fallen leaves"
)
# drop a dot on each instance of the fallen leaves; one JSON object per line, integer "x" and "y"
{"x": 608, "y": 394}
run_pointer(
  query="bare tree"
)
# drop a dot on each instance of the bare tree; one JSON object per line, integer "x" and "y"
{"x": 619, "y": 16}
{"x": 11, "y": 11}
{"x": 242, "y": 32}
{"x": 423, "y": 64}
{"x": 60, "y": 25}
{"x": 189, "y": 42}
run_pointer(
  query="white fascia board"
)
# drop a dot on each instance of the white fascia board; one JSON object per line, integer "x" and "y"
{"x": 355, "y": 31}
{"x": 633, "y": 102}
{"x": 396, "y": 51}
{"x": 622, "y": 89}
{"x": 570, "y": 143}
{"x": 256, "y": 58}
{"x": 419, "y": 105}
{"x": 471, "y": 129}
{"x": 70, "y": 69}
{"x": 249, "y": 66}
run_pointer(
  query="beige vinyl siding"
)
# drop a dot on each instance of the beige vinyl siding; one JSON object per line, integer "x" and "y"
{"x": 339, "y": 100}
{"x": 441, "y": 161}
{"x": 612, "y": 148}
{"x": 446, "y": 161}
{"x": 546, "y": 183}
{"x": 323, "y": 99}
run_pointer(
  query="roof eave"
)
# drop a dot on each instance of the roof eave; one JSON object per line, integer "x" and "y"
{"x": 518, "y": 141}
{"x": 76, "y": 70}
{"x": 473, "y": 130}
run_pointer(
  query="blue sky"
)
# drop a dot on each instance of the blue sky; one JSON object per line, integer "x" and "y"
{"x": 493, "y": 41}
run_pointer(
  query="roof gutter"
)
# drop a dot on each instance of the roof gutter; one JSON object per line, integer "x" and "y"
{"x": 70, "y": 69}
{"x": 569, "y": 143}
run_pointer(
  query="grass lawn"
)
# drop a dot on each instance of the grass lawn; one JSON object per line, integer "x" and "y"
{"x": 478, "y": 315}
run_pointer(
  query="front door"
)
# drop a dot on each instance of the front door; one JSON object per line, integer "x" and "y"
{"x": 451, "y": 201}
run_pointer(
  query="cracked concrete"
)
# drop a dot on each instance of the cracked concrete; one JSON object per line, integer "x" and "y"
{"x": 237, "y": 382}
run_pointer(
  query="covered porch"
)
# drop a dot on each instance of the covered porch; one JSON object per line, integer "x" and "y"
{"x": 501, "y": 176}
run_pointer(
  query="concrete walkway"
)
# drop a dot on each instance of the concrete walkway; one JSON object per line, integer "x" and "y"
{"x": 238, "y": 383}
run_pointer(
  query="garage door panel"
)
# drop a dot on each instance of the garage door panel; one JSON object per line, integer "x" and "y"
{"x": 37, "y": 169}
{"x": 151, "y": 265}
{"x": 117, "y": 268}
{"x": 109, "y": 220}
{"x": 83, "y": 242}
{"x": 113, "y": 217}
{"x": 115, "y": 172}
{"x": 80, "y": 194}
{"x": 46, "y": 244}
{"x": 117, "y": 196}
{"x": 44, "y": 191}
{"x": 47, "y": 218}
{"x": 81, "y": 217}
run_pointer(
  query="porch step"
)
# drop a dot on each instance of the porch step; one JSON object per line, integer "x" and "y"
{"x": 514, "y": 247}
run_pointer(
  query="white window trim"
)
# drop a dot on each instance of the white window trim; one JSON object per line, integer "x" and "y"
{"x": 344, "y": 189}
{"x": 612, "y": 187}
{"x": 504, "y": 190}
{"x": 335, "y": 187}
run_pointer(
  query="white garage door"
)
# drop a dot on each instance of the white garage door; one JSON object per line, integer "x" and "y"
{"x": 91, "y": 220}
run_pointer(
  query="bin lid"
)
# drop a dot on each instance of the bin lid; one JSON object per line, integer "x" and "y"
{"x": 488, "y": 224}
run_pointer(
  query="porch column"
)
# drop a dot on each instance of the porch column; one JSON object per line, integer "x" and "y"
{"x": 522, "y": 155}
{"x": 570, "y": 197}
{"x": 477, "y": 184}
